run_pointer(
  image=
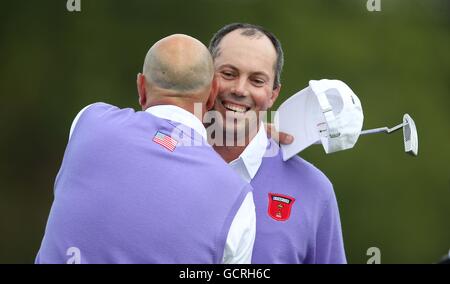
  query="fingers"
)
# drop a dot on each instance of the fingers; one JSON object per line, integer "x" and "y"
{"x": 285, "y": 138}
{"x": 279, "y": 137}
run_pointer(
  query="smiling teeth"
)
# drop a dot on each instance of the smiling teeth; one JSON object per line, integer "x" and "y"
{"x": 234, "y": 107}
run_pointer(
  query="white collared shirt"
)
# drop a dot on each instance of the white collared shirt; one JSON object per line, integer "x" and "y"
{"x": 180, "y": 115}
{"x": 248, "y": 163}
{"x": 241, "y": 236}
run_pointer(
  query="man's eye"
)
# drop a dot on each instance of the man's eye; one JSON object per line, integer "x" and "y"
{"x": 227, "y": 75}
{"x": 259, "y": 82}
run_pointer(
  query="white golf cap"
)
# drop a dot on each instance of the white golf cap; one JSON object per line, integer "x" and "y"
{"x": 327, "y": 111}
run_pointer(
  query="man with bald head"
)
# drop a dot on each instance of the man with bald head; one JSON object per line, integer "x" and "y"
{"x": 145, "y": 187}
{"x": 179, "y": 71}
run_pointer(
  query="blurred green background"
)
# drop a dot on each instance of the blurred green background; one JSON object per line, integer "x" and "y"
{"x": 53, "y": 63}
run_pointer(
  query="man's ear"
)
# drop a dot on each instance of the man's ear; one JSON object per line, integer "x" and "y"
{"x": 274, "y": 96}
{"x": 142, "y": 90}
{"x": 213, "y": 93}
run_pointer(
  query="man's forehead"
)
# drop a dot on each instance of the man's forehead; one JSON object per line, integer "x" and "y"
{"x": 254, "y": 52}
{"x": 257, "y": 42}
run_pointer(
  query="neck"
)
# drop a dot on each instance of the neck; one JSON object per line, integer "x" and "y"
{"x": 231, "y": 153}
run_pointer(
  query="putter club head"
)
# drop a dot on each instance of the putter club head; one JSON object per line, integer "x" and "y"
{"x": 410, "y": 135}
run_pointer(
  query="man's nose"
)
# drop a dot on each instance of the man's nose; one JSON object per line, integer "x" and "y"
{"x": 240, "y": 88}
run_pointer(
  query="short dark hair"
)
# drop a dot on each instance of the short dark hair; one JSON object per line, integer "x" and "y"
{"x": 250, "y": 30}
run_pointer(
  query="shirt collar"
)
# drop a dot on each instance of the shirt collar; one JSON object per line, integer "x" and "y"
{"x": 254, "y": 152}
{"x": 180, "y": 115}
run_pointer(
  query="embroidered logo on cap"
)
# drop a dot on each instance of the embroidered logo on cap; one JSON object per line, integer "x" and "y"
{"x": 165, "y": 140}
{"x": 280, "y": 206}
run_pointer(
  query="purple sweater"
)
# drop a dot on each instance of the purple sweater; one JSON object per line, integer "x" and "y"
{"x": 297, "y": 217}
{"x": 121, "y": 197}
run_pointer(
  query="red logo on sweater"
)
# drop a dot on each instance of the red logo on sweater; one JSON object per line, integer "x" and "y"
{"x": 280, "y": 206}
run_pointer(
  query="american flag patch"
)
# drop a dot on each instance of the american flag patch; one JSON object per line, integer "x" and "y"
{"x": 165, "y": 140}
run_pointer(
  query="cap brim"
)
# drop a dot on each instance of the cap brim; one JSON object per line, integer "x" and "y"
{"x": 299, "y": 116}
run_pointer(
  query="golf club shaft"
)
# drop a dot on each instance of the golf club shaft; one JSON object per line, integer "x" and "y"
{"x": 375, "y": 131}
{"x": 365, "y": 132}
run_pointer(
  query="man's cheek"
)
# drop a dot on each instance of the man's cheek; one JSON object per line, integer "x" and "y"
{"x": 263, "y": 104}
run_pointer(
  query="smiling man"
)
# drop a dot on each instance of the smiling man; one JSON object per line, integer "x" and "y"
{"x": 244, "y": 62}
{"x": 297, "y": 214}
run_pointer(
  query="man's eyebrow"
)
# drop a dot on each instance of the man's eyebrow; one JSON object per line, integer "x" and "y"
{"x": 261, "y": 73}
{"x": 227, "y": 66}
{"x": 258, "y": 73}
